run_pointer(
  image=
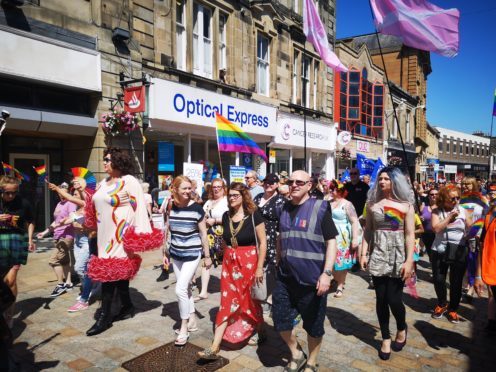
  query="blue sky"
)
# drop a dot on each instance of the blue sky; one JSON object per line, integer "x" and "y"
{"x": 460, "y": 90}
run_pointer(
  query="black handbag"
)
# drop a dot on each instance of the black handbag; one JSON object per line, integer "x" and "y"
{"x": 455, "y": 253}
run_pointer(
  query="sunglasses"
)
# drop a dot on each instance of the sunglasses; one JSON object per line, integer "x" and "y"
{"x": 432, "y": 194}
{"x": 297, "y": 182}
{"x": 353, "y": 174}
{"x": 269, "y": 183}
{"x": 10, "y": 193}
{"x": 216, "y": 187}
{"x": 234, "y": 196}
{"x": 107, "y": 160}
{"x": 456, "y": 198}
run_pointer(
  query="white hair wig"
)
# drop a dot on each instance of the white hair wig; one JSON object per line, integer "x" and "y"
{"x": 400, "y": 186}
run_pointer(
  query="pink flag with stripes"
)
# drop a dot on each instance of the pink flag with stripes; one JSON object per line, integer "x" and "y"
{"x": 315, "y": 32}
{"x": 420, "y": 24}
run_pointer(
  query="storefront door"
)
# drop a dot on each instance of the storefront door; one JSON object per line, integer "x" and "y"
{"x": 35, "y": 192}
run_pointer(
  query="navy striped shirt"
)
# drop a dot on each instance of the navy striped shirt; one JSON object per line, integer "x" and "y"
{"x": 185, "y": 237}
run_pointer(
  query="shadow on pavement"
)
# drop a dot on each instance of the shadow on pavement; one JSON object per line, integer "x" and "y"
{"x": 269, "y": 354}
{"x": 438, "y": 338}
{"x": 24, "y": 309}
{"x": 141, "y": 303}
{"x": 348, "y": 324}
{"x": 24, "y": 356}
{"x": 420, "y": 304}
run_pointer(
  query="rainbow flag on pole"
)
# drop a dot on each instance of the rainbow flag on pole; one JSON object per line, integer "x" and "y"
{"x": 7, "y": 168}
{"x": 231, "y": 138}
{"x": 40, "y": 171}
{"x": 494, "y": 106}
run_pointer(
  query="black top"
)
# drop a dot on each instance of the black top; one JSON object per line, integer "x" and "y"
{"x": 316, "y": 194}
{"x": 21, "y": 213}
{"x": 357, "y": 195}
{"x": 246, "y": 236}
{"x": 329, "y": 230}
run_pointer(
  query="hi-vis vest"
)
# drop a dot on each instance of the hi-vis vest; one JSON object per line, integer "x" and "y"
{"x": 489, "y": 250}
{"x": 302, "y": 243}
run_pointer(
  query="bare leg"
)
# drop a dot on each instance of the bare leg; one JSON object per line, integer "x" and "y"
{"x": 67, "y": 274}
{"x": 59, "y": 272}
{"x": 205, "y": 278}
{"x": 219, "y": 333}
{"x": 340, "y": 277}
{"x": 313, "y": 349}
{"x": 289, "y": 338}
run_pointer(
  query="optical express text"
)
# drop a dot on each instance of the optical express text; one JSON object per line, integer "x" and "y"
{"x": 198, "y": 107}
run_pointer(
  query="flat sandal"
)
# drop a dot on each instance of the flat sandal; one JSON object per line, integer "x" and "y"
{"x": 299, "y": 363}
{"x": 208, "y": 354}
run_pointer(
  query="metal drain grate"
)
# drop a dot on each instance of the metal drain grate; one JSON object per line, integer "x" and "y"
{"x": 173, "y": 358}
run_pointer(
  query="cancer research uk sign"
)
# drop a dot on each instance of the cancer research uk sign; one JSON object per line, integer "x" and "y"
{"x": 181, "y": 103}
{"x": 291, "y": 132}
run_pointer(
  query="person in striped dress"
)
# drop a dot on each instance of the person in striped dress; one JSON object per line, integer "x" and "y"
{"x": 188, "y": 232}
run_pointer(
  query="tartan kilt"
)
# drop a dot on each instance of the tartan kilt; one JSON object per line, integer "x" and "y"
{"x": 13, "y": 249}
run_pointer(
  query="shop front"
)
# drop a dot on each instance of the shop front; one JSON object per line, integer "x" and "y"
{"x": 347, "y": 159}
{"x": 289, "y": 144}
{"x": 182, "y": 118}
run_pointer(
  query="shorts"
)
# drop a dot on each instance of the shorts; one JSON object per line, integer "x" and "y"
{"x": 13, "y": 250}
{"x": 61, "y": 256}
{"x": 290, "y": 299}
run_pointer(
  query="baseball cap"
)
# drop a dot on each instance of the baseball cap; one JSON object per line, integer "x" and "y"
{"x": 271, "y": 178}
{"x": 283, "y": 174}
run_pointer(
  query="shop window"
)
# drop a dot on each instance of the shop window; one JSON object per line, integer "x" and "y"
{"x": 222, "y": 41}
{"x": 202, "y": 41}
{"x": 295, "y": 77}
{"x": 180, "y": 35}
{"x": 197, "y": 150}
{"x": 263, "y": 74}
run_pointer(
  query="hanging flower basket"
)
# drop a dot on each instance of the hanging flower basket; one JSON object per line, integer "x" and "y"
{"x": 120, "y": 122}
{"x": 395, "y": 161}
{"x": 343, "y": 154}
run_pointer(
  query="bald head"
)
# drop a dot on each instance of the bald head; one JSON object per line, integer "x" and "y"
{"x": 300, "y": 175}
{"x": 300, "y": 186}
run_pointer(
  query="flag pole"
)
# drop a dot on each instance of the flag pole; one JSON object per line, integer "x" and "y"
{"x": 218, "y": 151}
{"x": 394, "y": 108}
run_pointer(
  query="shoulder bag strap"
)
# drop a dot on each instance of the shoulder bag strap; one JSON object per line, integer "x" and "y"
{"x": 254, "y": 229}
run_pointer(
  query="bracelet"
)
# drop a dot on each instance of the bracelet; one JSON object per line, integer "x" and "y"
{"x": 478, "y": 277}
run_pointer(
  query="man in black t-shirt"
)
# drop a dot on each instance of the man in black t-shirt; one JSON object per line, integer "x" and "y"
{"x": 357, "y": 191}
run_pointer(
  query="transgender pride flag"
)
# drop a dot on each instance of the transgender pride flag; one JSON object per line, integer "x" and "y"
{"x": 419, "y": 24}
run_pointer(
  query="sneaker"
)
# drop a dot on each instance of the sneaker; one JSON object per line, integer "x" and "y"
{"x": 69, "y": 287}
{"x": 78, "y": 306}
{"x": 453, "y": 317}
{"x": 58, "y": 290}
{"x": 439, "y": 311}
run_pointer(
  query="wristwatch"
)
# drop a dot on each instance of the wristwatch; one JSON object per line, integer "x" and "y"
{"x": 328, "y": 272}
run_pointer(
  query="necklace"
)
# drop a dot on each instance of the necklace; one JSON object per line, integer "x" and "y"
{"x": 235, "y": 231}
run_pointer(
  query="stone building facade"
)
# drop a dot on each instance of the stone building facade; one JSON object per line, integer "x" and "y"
{"x": 248, "y": 57}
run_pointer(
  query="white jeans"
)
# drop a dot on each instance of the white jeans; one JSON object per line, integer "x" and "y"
{"x": 184, "y": 271}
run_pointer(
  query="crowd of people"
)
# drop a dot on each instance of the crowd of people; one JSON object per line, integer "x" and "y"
{"x": 282, "y": 242}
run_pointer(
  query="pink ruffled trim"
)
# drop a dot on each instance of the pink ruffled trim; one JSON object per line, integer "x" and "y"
{"x": 141, "y": 242}
{"x": 89, "y": 213}
{"x": 113, "y": 269}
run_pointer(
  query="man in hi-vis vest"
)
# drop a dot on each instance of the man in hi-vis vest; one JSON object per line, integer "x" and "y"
{"x": 306, "y": 249}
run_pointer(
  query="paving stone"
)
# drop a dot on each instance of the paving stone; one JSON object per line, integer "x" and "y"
{"x": 248, "y": 362}
{"x": 147, "y": 341}
{"x": 79, "y": 364}
{"x": 117, "y": 353}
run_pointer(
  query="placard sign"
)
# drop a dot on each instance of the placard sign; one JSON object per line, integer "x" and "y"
{"x": 362, "y": 146}
{"x": 195, "y": 173}
{"x": 237, "y": 174}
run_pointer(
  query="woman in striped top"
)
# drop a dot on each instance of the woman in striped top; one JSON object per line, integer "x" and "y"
{"x": 188, "y": 237}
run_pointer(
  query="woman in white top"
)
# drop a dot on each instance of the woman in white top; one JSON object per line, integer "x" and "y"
{"x": 214, "y": 208}
{"x": 449, "y": 222}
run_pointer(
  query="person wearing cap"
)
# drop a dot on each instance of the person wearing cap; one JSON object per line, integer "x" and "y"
{"x": 283, "y": 177}
{"x": 251, "y": 178}
{"x": 315, "y": 191}
{"x": 270, "y": 204}
{"x": 60, "y": 261}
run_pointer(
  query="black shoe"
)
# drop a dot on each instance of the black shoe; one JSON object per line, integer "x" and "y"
{"x": 58, "y": 290}
{"x": 126, "y": 312}
{"x": 102, "y": 324}
{"x": 398, "y": 346}
{"x": 164, "y": 275}
{"x": 383, "y": 355}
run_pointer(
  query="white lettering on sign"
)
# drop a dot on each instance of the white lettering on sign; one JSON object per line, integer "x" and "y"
{"x": 363, "y": 146}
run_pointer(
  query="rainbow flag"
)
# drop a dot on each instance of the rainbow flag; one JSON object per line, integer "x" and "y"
{"x": 394, "y": 216}
{"x": 475, "y": 228}
{"x": 40, "y": 171}
{"x": 230, "y": 138}
{"x": 474, "y": 198}
{"x": 7, "y": 168}
{"x": 494, "y": 105}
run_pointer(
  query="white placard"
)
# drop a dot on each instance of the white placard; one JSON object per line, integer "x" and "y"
{"x": 362, "y": 146}
{"x": 194, "y": 172}
{"x": 452, "y": 169}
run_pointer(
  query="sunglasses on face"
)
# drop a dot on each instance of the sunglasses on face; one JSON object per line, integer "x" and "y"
{"x": 216, "y": 187}
{"x": 297, "y": 182}
{"x": 269, "y": 183}
{"x": 435, "y": 194}
{"x": 234, "y": 196}
{"x": 107, "y": 160}
{"x": 456, "y": 198}
{"x": 353, "y": 174}
{"x": 10, "y": 193}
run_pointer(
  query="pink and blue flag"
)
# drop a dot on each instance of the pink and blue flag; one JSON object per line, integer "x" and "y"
{"x": 419, "y": 24}
{"x": 231, "y": 138}
{"x": 316, "y": 34}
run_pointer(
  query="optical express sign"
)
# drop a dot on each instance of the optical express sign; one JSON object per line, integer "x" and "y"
{"x": 181, "y": 103}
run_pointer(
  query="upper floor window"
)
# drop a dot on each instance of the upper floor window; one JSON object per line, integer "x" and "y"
{"x": 263, "y": 73}
{"x": 460, "y": 147}
{"x": 202, "y": 40}
{"x": 440, "y": 146}
{"x": 361, "y": 104}
{"x": 315, "y": 83}
{"x": 305, "y": 81}
{"x": 295, "y": 77}
{"x": 447, "y": 146}
{"x": 180, "y": 35}
{"x": 407, "y": 127}
{"x": 222, "y": 41}
{"x": 297, "y": 6}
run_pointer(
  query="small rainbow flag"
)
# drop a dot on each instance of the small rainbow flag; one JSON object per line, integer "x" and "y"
{"x": 41, "y": 172}
{"x": 474, "y": 198}
{"x": 230, "y": 138}
{"x": 393, "y": 215}
{"x": 475, "y": 228}
{"x": 7, "y": 168}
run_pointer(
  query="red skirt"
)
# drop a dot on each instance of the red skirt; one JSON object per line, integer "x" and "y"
{"x": 241, "y": 312}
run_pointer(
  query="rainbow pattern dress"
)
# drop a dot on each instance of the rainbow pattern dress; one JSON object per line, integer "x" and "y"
{"x": 388, "y": 242}
{"x": 118, "y": 211}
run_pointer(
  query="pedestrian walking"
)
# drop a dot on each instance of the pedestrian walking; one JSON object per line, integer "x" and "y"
{"x": 357, "y": 191}
{"x": 387, "y": 251}
{"x": 118, "y": 212}
{"x": 307, "y": 252}
{"x": 239, "y": 314}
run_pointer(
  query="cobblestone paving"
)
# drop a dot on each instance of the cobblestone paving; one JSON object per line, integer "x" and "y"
{"x": 48, "y": 337}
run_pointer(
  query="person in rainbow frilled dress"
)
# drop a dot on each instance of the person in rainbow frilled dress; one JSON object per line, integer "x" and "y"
{"x": 118, "y": 212}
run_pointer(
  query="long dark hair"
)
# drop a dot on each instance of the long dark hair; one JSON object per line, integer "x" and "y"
{"x": 248, "y": 205}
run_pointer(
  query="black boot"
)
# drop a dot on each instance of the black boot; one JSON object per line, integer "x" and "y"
{"x": 102, "y": 324}
{"x": 126, "y": 312}
{"x": 164, "y": 275}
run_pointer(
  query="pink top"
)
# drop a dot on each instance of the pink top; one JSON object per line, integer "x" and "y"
{"x": 62, "y": 211}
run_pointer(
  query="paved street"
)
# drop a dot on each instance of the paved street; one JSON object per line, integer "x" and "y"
{"x": 48, "y": 337}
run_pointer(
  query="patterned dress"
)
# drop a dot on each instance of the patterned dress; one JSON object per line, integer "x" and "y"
{"x": 345, "y": 258}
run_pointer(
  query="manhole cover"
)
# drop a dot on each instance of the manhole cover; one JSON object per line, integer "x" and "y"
{"x": 170, "y": 357}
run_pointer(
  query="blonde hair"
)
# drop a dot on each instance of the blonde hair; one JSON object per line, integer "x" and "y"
{"x": 473, "y": 182}
{"x": 8, "y": 180}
